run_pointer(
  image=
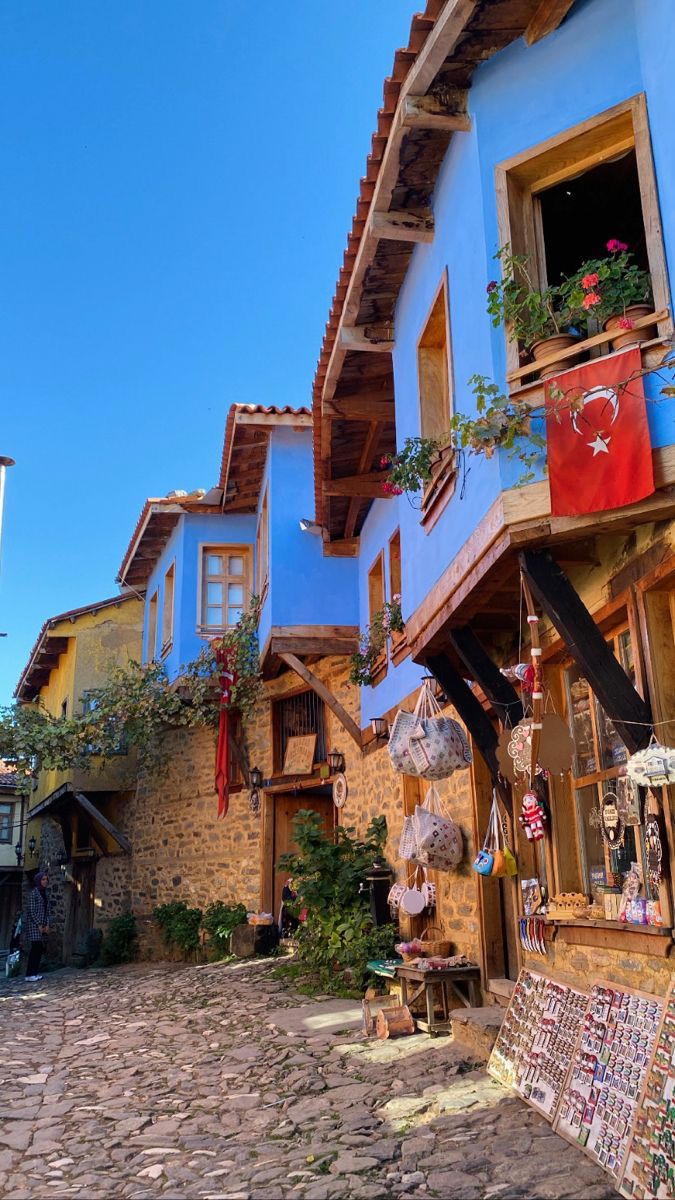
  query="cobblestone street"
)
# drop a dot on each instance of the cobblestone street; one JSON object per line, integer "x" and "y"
{"x": 181, "y": 1081}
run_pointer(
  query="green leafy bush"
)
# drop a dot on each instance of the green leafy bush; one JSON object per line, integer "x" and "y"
{"x": 338, "y": 937}
{"x": 180, "y": 925}
{"x": 218, "y": 921}
{"x": 120, "y": 941}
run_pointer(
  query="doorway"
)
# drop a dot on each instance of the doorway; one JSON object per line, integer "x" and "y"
{"x": 280, "y": 810}
{"x": 497, "y": 898}
{"x": 81, "y": 912}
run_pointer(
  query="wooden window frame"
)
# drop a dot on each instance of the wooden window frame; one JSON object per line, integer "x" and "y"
{"x": 380, "y": 665}
{"x": 167, "y": 628}
{"x": 7, "y": 804}
{"x": 399, "y": 641}
{"x": 262, "y": 546}
{"x": 440, "y": 488}
{"x": 153, "y": 610}
{"x": 519, "y": 180}
{"x": 245, "y": 551}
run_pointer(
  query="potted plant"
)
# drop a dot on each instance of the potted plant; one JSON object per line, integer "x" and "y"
{"x": 614, "y": 290}
{"x": 540, "y": 321}
{"x": 369, "y": 660}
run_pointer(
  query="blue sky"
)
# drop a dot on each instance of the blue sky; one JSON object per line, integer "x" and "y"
{"x": 178, "y": 183}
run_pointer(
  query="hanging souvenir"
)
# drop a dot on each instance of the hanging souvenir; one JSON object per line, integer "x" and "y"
{"x": 612, "y": 827}
{"x": 425, "y": 742}
{"x": 340, "y": 791}
{"x": 532, "y": 897}
{"x": 532, "y": 817}
{"x": 628, "y": 800}
{"x": 654, "y": 766}
{"x": 496, "y": 858}
{"x": 633, "y": 907}
{"x": 254, "y": 801}
{"x": 556, "y": 748}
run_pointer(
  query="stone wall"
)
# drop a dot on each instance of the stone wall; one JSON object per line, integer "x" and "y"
{"x": 112, "y": 896}
{"x": 581, "y": 965}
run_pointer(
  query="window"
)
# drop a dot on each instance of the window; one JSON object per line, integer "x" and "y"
{"x": 225, "y": 586}
{"x": 167, "y": 610}
{"x": 89, "y": 706}
{"x": 559, "y": 202}
{"x": 376, "y": 595}
{"x": 599, "y": 756}
{"x": 262, "y": 547}
{"x": 151, "y": 649}
{"x": 295, "y": 716}
{"x": 397, "y": 639}
{"x": 6, "y": 822}
{"x": 433, "y": 368}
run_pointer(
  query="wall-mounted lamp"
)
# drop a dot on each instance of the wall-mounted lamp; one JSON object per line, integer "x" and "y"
{"x": 255, "y": 778}
{"x": 31, "y": 847}
{"x": 309, "y": 526}
{"x": 336, "y": 762}
{"x": 380, "y": 728}
{"x": 18, "y": 850}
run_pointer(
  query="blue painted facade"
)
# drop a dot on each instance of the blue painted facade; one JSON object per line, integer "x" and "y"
{"x": 606, "y": 52}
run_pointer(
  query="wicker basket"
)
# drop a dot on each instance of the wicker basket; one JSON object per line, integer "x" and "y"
{"x": 434, "y": 947}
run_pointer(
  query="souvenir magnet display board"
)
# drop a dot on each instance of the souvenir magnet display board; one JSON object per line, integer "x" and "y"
{"x": 607, "y": 1072}
{"x": 649, "y": 1170}
{"x": 536, "y": 1040}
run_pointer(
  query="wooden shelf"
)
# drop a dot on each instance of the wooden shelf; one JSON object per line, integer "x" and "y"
{"x": 622, "y": 926}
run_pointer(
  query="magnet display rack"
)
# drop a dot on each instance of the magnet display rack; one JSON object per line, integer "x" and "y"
{"x": 649, "y": 1168}
{"x": 607, "y": 1072}
{"x": 537, "y": 1038}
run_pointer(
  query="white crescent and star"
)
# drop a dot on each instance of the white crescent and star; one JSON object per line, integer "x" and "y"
{"x": 600, "y": 443}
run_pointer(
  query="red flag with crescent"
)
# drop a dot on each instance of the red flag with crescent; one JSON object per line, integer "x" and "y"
{"x": 599, "y": 449}
{"x": 227, "y": 677}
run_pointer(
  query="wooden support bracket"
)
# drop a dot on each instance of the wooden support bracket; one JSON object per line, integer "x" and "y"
{"x": 547, "y": 17}
{"x": 361, "y": 337}
{"x": 426, "y": 112}
{"x": 367, "y": 485}
{"x": 566, "y": 610}
{"x": 92, "y": 811}
{"x": 403, "y": 226}
{"x": 501, "y": 694}
{"x": 317, "y": 685}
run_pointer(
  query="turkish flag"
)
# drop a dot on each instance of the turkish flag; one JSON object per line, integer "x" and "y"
{"x": 599, "y": 450}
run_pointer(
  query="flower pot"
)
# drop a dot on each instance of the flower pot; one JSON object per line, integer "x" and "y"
{"x": 630, "y": 337}
{"x": 548, "y": 346}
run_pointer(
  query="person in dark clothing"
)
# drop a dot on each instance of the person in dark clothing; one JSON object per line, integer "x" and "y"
{"x": 37, "y": 924}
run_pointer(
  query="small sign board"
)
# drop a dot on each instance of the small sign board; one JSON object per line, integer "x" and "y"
{"x": 299, "y": 756}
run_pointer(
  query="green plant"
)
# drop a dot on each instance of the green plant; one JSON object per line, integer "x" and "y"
{"x": 606, "y": 287}
{"x": 120, "y": 941}
{"x": 218, "y": 921}
{"x": 373, "y": 640}
{"x": 338, "y": 937}
{"x": 180, "y": 925}
{"x": 242, "y": 641}
{"x": 530, "y": 314}
{"x": 412, "y": 466}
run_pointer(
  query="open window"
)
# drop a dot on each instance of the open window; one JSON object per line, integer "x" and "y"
{"x": 434, "y": 373}
{"x": 151, "y": 649}
{"x": 559, "y": 203}
{"x": 167, "y": 609}
{"x": 376, "y": 596}
{"x": 225, "y": 587}
{"x": 398, "y": 639}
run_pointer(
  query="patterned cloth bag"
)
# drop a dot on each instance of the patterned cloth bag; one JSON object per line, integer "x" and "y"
{"x": 425, "y": 743}
{"x": 407, "y": 846}
{"x": 439, "y": 838}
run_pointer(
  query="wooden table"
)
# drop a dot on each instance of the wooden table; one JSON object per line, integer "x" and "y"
{"x": 446, "y": 981}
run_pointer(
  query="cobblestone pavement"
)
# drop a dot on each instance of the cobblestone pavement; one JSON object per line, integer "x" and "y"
{"x": 170, "y": 1080}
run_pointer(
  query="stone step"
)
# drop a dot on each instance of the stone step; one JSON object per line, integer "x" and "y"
{"x": 475, "y": 1029}
{"x": 501, "y": 990}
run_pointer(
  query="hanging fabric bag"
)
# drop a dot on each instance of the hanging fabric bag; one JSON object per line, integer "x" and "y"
{"x": 495, "y": 858}
{"x": 439, "y": 838}
{"x": 407, "y": 846}
{"x": 426, "y": 743}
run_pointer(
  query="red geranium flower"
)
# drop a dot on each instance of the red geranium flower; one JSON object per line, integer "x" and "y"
{"x": 591, "y": 299}
{"x": 615, "y": 246}
{"x": 625, "y": 323}
{"x": 492, "y": 285}
{"x": 385, "y": 462}
{"x": 590, "y": 281}
{"x": 391, "y": 489}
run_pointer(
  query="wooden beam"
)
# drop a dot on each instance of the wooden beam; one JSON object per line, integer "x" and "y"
{"x": 328, "y": 698}
{"x": 501, "y": 694}
{"x": 368, "y": 486}
{"x": 426, "y": 112}
{"x": 265, "y": 420}
{"x": 547, "y": 17}
{"x": 403, "y": 226}
{"x": 440, "y": 43}
{"x": 342, "y": 548}
{"x": 370, "y": 408}
{"x": 356, "y": 337}
{"x": 365, "y": 462}
{"x": 473, "y": 714}
{"x": 606, "y": 677}
{"x": 94, "y": 813}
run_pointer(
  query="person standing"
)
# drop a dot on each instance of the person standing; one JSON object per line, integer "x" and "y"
{"x": 37, "y": 924}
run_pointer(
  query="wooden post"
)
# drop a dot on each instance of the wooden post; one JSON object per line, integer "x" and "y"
{"x": 563, "y": 606}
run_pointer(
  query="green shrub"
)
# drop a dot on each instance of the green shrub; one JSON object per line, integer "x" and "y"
{"x": 218, "y": 921}
{"x": 180, "y": 925}
{"x": 338, "y": 937}
{"x": 120, "y": 941}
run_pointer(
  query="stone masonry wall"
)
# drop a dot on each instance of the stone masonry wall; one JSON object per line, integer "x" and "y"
{"x": 581, "y": 965}
{"x": 112, "y": 896}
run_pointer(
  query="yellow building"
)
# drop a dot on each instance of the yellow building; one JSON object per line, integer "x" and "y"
{"x": 72, "y": 817}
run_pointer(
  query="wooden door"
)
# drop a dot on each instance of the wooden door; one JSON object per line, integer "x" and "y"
{"x": 81, "y": 917}
{"x": 498, "y": 902}
{"x": 286, "y": 808}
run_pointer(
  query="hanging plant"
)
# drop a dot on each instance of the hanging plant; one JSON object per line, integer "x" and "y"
{"x": 373, "y": 640}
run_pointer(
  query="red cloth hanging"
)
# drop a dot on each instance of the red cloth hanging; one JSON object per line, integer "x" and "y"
{"x": 227, "y": 677}
{"x": 599, "y": 451}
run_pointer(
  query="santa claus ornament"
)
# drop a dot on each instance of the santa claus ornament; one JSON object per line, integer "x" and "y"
{"x": 532, "y": 817}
